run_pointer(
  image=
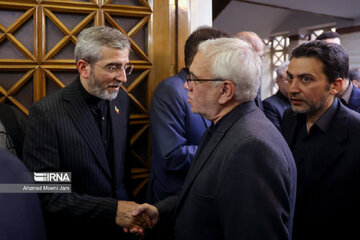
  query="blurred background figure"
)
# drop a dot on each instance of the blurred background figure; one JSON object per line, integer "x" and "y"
{"x": 354, "y": 76}
{"x": 276, "y": 105}
{"x": 330, "y": 37}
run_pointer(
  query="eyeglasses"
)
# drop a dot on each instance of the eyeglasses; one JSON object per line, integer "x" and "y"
{"x": 118, "y": 69}
{"x": 192, "y": 78}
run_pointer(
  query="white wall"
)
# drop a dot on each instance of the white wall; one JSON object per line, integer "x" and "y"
{"x": 200, "y": 14}
{"x": 351, "y": 42}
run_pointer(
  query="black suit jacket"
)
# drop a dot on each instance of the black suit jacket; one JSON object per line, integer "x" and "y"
{"x": 63, "y": 136}
{"x": 241, "y": 184}
{"x": 20, "y": 213}
{"x": 328, "y": 192}
{"x": 274, "y": 108}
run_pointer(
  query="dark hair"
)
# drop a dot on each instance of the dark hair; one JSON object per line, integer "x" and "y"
{"x": 199, "y": 35}
{"x": 328, "y": 35}
{"x": 354, "y": 74}
{"x": 332, "y": 55}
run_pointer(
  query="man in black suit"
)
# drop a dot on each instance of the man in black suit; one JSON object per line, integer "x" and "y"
{"x": 83, "y": 129}
{"x": 323, "y": 136}
{"x": 242, "y": 183}
{"x": 21, "y": 216}
{"x": 276, "y": 105}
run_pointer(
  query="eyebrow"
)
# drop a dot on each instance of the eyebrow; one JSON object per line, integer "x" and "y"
{"x": 301, "y": 74}
{"x": 116, "y": 64}
{"x": 191, "y": 73}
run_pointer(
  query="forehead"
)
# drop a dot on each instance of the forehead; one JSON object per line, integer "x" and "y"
{"x": 305, "y": 65}
{"x": 114, "y": 53}
{"x": 199, "y": 66}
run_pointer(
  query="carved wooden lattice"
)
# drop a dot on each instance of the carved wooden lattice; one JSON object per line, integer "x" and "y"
{"x": 37, "y": 38}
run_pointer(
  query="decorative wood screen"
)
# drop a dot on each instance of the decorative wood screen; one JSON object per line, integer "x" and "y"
{"x": 37, "y": 39}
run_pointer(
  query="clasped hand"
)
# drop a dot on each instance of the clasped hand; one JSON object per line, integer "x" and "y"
{"x": 136, "y": 218}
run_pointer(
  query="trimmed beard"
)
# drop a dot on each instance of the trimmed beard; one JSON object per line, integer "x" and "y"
{"x": 99, "y": 91}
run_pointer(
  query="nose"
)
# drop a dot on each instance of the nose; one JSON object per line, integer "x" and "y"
{"x": 186, "y": 86}
{"x": 121, "y": 76}
{"x": 293, "y": 87}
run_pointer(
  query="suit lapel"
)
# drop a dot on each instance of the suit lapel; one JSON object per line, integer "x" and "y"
{"x": 204, "y": 151}
{"x": 83, "y": 120}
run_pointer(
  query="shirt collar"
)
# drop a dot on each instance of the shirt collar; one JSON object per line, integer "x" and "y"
{"x": 324, "y": 121}
{"x": 347, "y": 94}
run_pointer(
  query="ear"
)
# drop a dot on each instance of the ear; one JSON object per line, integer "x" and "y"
{"x": 83, "y": 68}
{"x": 336, "y": 86}
{"x": 227, "y": 92}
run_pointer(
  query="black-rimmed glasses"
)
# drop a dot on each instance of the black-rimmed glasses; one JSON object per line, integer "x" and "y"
{"x": 117, "y": 69}
{"x": 192, "y": 78}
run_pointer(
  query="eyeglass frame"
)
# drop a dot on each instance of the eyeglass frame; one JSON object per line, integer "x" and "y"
{"x": 117, "y": 69}
{"x": 189, "y": 80}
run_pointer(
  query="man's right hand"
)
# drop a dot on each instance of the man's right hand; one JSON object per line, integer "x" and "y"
{"x": 148, "y": 213}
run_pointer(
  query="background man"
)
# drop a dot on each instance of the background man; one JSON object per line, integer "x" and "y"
{"x": 354, "y": 76}
{"x": 323, "y": 136}
{"x": 258, "y": 46}
{"x": 242, "y": 183}
{"x": 330, "y": 37}
{"x": 275, "y": 106}
{"x": 82, "y": 129}
{"x": 175, "y": 130}
{"x": 349, "y": 94}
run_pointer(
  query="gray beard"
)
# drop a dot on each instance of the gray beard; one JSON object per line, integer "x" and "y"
{"x": 99, "y": 91}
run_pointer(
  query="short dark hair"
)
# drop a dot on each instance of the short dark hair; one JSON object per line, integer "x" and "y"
{"x": 199, "y": 35}
{"x": 354, "y": 74}
{"x": 332, "y": 55}
{"x": 328, "y": 35}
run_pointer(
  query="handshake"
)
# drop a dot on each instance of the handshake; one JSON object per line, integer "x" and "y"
{"x": 136, "y": 218}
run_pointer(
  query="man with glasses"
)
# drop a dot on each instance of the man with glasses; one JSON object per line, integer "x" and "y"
{"x": 242, "y": 183}
{"x": 175, "y": 130}
{"x": 83, "y": 129}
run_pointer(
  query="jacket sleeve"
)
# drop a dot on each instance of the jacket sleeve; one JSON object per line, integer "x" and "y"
{"x": 272, "y": 114}
{"x": 168, "y": 130}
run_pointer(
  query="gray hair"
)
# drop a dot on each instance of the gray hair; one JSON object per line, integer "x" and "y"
{"x": 280, "y": 69}
{"x": 91, "y": 40}
{"x": 235, "y": 60}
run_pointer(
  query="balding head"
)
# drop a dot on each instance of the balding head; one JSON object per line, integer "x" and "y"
{"x": 254, "y": 40}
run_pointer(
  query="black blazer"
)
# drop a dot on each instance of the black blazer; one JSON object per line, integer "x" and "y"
{"x": 328, "y": 192}
{"x": 21, "y": 216}
{"x": 274, "y": 108}
{"x": 63, "y": 136}
{"x": 241, "y": 185}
